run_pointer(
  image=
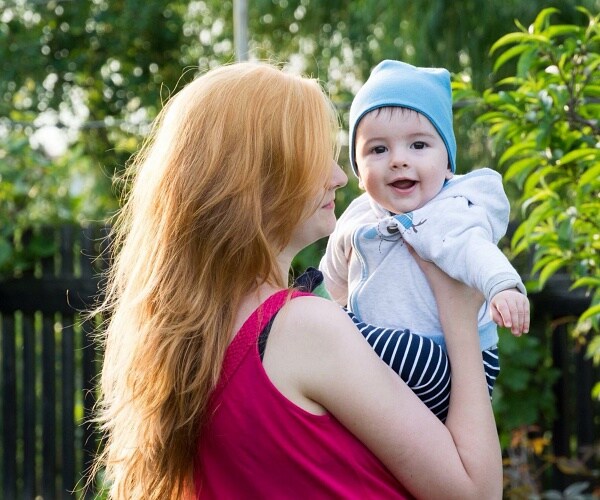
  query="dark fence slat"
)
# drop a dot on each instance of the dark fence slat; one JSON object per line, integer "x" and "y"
{"x": 88, "y": 252}
{"x": 48, "y": 410}
{"x": 560, "y": 434}
{"x": 29, "y": 408}
{"x": 45, "y": 447}
{"x": 572, "y": 390}
{"x": 89, "y": 372}
{"x": 48, "y": 262}
{"x": 585, "y": 413}
{"x": 66, "y": 251}
{"x": 9, "y": 394}
{"x": 68, "y": 405}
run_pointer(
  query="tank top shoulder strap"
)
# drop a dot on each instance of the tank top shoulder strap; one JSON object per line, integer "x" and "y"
{"x": 247, "y": 336}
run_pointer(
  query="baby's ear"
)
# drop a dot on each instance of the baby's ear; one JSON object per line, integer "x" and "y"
{"x": 449, "y": 173}
{"x": 360, "y": 184}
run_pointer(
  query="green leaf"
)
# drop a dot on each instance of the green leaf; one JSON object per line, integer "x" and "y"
{"x": 586, "y": 281}
{"x": 593, "y": 351}
{"x": 565, "y": 231}
{"x": 583, "y": 10}
{"x": 509, "y": 54}
{"x": 517, "y": 243}
{"x": 591, "y": 174}
{"x": 527, "y": 60}
{"x": 549, "y": 269}
{"x": 563, "y": 29}
{"x": 542, "y": 17}
{"x": 500, "y": 128}
{"x": 556, "y": 184}
{"x": 592, "y": 91}
{"x": 515, "y": 149}
{"x": 510, "y": 80}
{"x": 541, "y": 212}
{"x": 537, "y": 177}
{"x": 514, "y": 38}
{"x": 520, "y": 166}
{"x": 524, "y": 235}
{"x": 585, "y": 153}
{"x": 519, "y": 25}
{"x": 590, "y": 312}
{"x": 540, "y": 263}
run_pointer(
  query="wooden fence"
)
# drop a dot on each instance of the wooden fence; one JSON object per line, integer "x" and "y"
{"x": 47, "y": 369}
{"x": 577, "y": 419}
{"x": 48, "y": 365}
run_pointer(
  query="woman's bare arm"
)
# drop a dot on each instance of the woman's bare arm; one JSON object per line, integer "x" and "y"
{"x": 470, "y": 406}
{"x": 318, "y": 359}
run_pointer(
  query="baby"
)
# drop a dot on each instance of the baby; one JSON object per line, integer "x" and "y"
{"x": 403, "y": 150}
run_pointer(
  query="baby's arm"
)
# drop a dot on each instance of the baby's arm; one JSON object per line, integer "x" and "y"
{"x": 510, "y": 309}
{"x": 335, "y": 264}
{"x": 335, "y": 273}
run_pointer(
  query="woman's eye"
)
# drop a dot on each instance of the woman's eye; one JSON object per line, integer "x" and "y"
{"x": 419, "y": 145}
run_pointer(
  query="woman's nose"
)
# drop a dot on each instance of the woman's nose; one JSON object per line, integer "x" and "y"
{"x": 338, "y": 178}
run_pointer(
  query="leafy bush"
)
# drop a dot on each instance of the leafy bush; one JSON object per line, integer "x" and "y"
{"x": 523, "y": 395}
{"x": 544, "y": 131}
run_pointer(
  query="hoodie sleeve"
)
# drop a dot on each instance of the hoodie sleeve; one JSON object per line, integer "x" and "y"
{"x": 335, "y": 263}
{"x": 459, "y": 232}
{"x": 334, "y": 266}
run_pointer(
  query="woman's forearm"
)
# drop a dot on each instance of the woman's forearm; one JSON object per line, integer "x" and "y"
{"x": 470, "y": 417}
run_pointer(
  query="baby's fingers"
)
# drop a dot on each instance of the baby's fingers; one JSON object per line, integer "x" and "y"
{"x": 519, "y": 311}
{"x": 511, "y": 314}
{"x": 501, "y": 314}
{"x": 524, "y": 311}
{"x": 496, "y": 316}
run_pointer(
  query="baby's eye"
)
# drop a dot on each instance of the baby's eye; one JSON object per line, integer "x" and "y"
{"x": 419, "y": 145}
{"x": 378, "y": 150}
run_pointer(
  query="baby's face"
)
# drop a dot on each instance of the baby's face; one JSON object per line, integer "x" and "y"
{"x": 402, "y": 160}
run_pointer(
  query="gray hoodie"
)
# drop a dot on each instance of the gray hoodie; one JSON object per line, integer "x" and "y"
{"x": 368, "y": 268}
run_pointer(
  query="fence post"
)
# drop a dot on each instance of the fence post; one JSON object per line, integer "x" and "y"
{"x": 9, "y": 395}
{"x": 42, "y": 450}
{"x": 561, "y": 305}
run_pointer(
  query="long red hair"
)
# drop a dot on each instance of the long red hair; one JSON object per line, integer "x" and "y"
{"x": 215, "y": 193}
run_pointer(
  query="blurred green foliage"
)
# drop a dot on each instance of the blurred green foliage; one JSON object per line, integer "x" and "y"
{"x": 36, "y": 191}
{"x": 543, "y": 125}
{"x": 523, "y": 395}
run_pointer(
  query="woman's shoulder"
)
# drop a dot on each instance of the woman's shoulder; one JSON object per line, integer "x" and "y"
{"x": 315, "y": 310}
{"x": 316, "y": 320}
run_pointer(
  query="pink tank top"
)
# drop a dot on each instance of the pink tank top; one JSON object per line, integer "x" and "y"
{"x": 258, "y": 444}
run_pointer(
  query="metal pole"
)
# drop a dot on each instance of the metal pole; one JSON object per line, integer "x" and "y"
{"x": 240, "y": 29}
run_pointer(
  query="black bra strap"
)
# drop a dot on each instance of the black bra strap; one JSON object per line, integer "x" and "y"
{"x": 264, "y": 336}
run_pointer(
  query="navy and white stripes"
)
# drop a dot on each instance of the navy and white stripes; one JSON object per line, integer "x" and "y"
{"x": 491, "y": 364}
{"x": 421, "y": 363}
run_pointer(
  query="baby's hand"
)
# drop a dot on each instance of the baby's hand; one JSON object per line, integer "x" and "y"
{"x": 510, "y": 309}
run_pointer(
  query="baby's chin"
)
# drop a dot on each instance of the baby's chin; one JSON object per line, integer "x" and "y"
{"x": 401, "y": 209}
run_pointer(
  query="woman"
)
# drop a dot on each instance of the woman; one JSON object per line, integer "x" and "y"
{"x": 237, "y": 177}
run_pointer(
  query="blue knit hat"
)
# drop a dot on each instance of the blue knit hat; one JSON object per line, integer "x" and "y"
{"x": 395, "y": 83}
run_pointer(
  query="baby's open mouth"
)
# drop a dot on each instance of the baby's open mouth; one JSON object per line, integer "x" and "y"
{"x": 404, "y": 184}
